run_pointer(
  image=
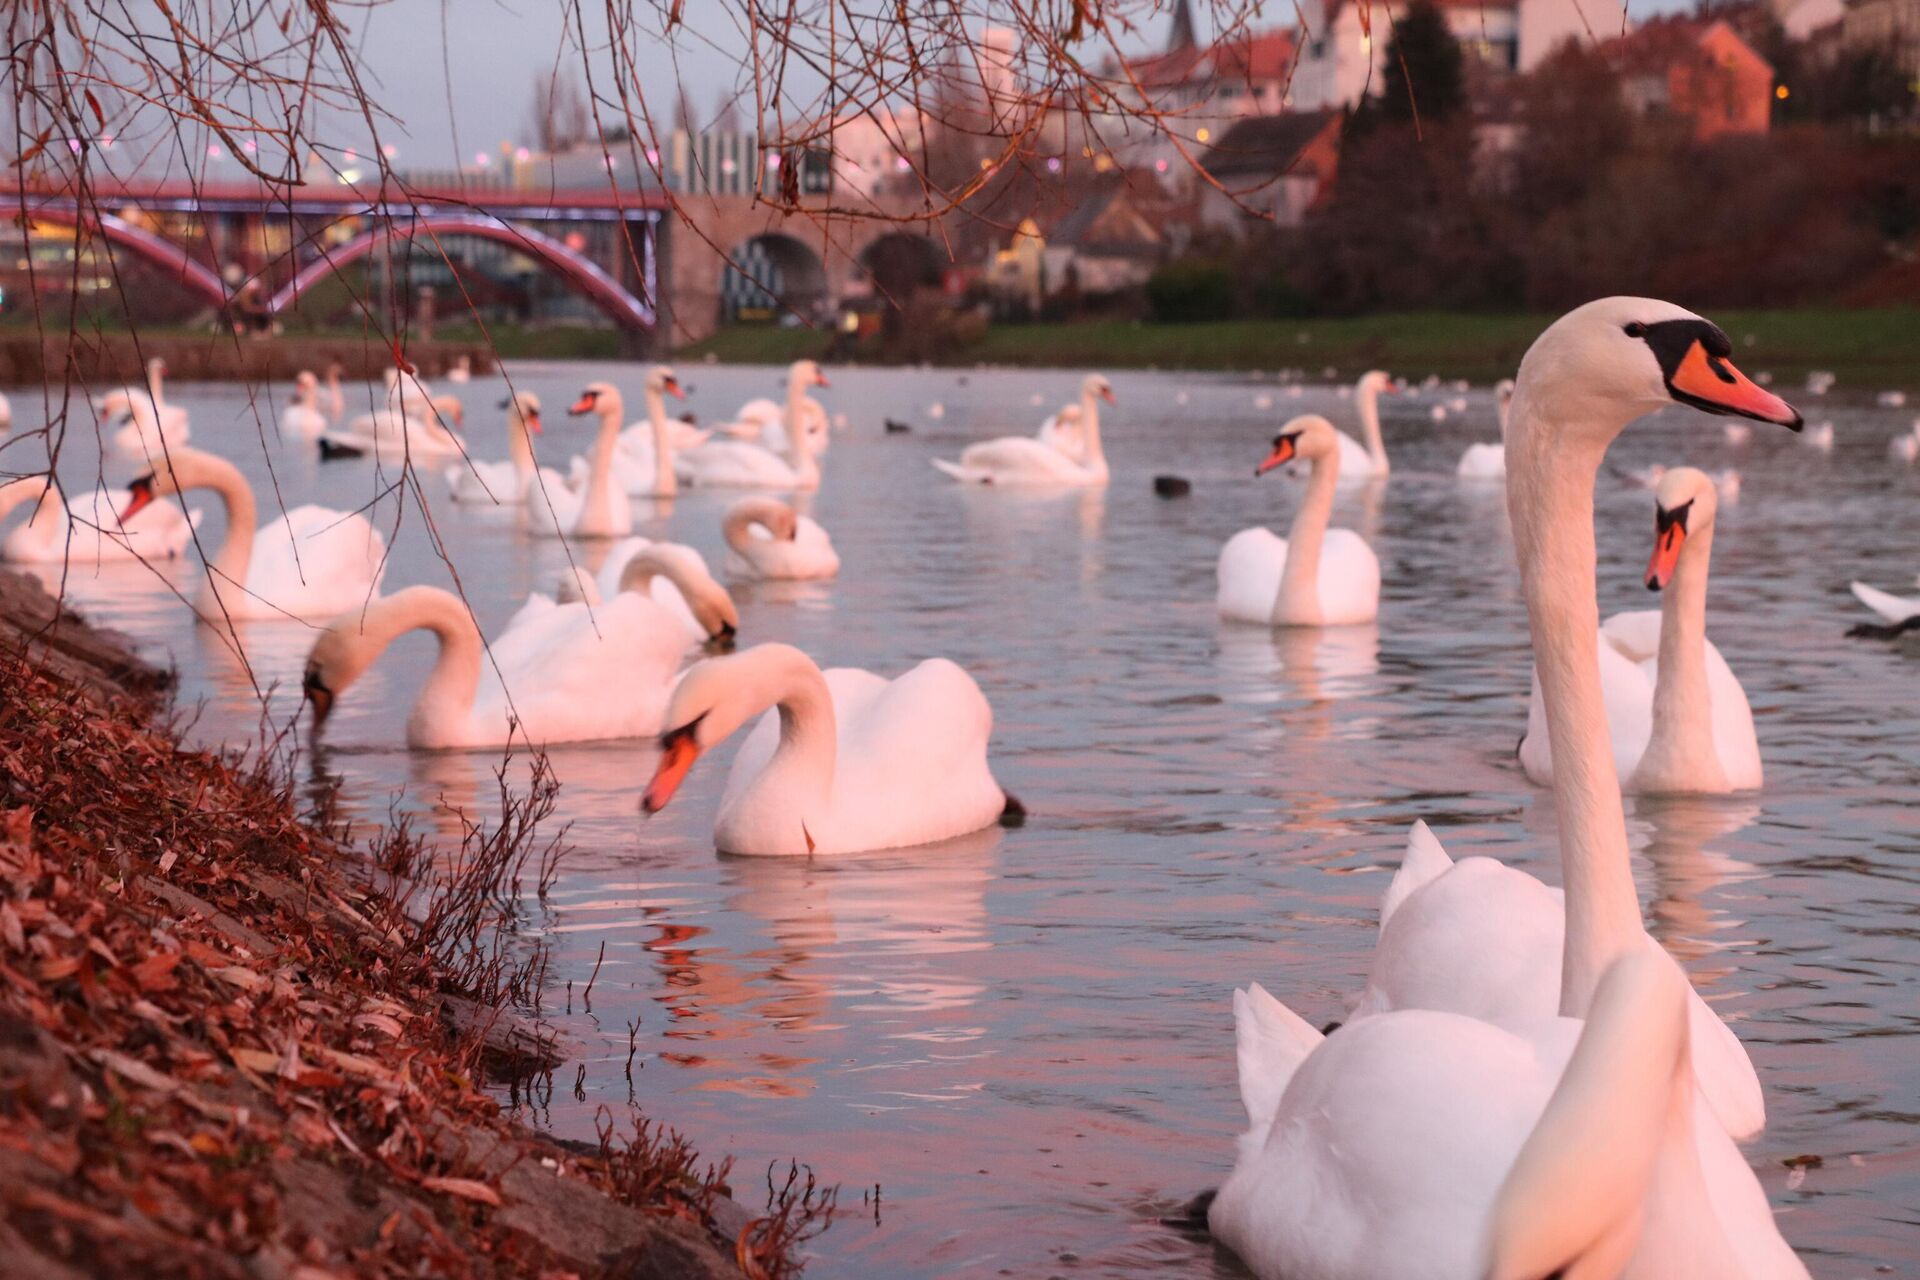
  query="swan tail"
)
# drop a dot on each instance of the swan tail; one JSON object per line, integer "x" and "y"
{"x": 1270, "y": 1043}
{"x": 964, "y": 474}
{"x": 1573, "y": 1199}
{"x": 1014, "y": 814}
{"x": 1426, "y": 860}
{"x": 1886, "y": 604}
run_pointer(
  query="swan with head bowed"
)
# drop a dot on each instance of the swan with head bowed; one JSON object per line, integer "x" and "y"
{"x": 842, "y": 761}
{"x": 1024, "y": 462}
{"x": 768, "y": 539}
{"x": 596, "y": 508}
{"x": 742, "y": 464}
{"x": 1677, "y": 716}
{"x": 765, "y": 420}
{"x": 1368, "y": 460}
{"x": 1511, "y": 1132}
{"x": 1489, "y": 461}
{"x": 644, "y": 469}
{"x": 143, "y": 416}
{"x": 302, "y": 419}
{"x": 501, "y": 483}
{"x": 93, "y": 533}
{"x": 307, "y": 565}
{"x": 1314, "y": 577}
{"x": 559, "y": 672}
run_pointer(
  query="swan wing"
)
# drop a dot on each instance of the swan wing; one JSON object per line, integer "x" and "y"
{"x": 1483, "y": 462}
{"x": 574, "y": 674}
{"x": 1015, "y": 460}
{"x": 1627, "y": 687}
{"x": 1249, "y": 571}
{"x": 913, "y": 758}
{"x": 1349, "y": 579}
{"x": 1885, "y": 603}
{"x": 1355, "y": 462}
{"x": 315, "y": 563}
{"x": 734, "y": 464}
{"x": 1270, "y": 1043}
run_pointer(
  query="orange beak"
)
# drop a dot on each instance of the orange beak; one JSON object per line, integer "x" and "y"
{"x": 1283, "y": 453}
{"x": 675, "y": 390}
{"x": 1669, "y": 535}
{"x": 583, "y": 405}
{"x": 1106, "y": 394}
{"x": 823, "y": 380}
{"x": 139, "y": 494}
{"x": 1712, "y": 383}
{"x": 678, "y": 751}
{"x": 533, "y": 423}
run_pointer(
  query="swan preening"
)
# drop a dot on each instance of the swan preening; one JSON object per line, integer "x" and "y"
{"x": 1587, "y": 1138}
{"x": 842, "y": 761}
{"x": 1025, "y": 462}
{"x": 90, "y": 534}
{"x": 558, "y": 672}
{"x": 1676, "y": 714}
{"x": 767, "y": 539}
{"x": 1315, "y": 576}
{"x": 306, "y": 565}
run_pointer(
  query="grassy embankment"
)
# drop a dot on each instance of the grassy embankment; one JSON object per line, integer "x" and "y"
{"x": 1874, "y": 348}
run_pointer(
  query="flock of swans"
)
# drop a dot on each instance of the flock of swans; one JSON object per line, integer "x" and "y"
{"x": 1527, "y": 1086}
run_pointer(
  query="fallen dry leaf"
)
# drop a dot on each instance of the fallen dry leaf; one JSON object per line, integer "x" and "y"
{"x": 465, "y": 1188}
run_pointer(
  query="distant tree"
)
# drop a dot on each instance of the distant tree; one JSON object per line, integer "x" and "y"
{"x": 1573, "y": 122}
{"x": 559, "y": 117}
{"x": 1425, "y": 78}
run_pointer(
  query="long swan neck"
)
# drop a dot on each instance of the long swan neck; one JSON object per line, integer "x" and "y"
{"x": 1550, "y": 476}
{"x": 1095, "y": 455}
{"x": 27, "y": 489}
{"x": 737, "y": 525}
{"x": 1681, "y": 740}
{"x": 798, "y": 454}
{"x": 519, "y": 441}
{"x": 450, "y": 686}
{"x": 1299, "y": 597}
{"x": 664, "y": 480}
{"x": 809, "y": 736}
{"x": 1369, "y": 409}
{"x": 235, "y": 557}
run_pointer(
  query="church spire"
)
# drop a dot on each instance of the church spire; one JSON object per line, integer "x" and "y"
{"x": 1181, "y": 37}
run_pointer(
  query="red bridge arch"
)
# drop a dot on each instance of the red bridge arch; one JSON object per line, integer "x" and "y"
{"x": 198, "y": 278}
{"x": 592, "y": 280}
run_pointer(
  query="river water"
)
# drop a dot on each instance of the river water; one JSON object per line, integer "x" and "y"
{"x": 1024, "y": 1040}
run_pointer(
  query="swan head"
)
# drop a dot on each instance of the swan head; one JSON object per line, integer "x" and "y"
{"x": 709, "y": 602}
{"x": 1376, "y": 382}
{"x": 174, "y": 471}
{"x": 306, "y": 379}
{"x": 712, "y": 700}
{"x": 576, "y": 586}
{"x": 602, "y": 398}
{"x": 662, "y": 382}
{"x": 1612, "y": 360}
{"x": 1096, "y": 384}
{"x": 1307, "y": 438}
{"x": 525, "y": 406}
{"x": 1684, "y": 504}
{"x": 805, "y": 374}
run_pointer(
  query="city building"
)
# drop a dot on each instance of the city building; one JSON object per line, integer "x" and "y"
{"x": 1272, "y": 170}
{"x": 1697, "y": 71}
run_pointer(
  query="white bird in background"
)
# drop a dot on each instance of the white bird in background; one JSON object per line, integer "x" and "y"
{"x": 412, "y": 426}
{"x": 1891, "y": 399}
{"x": 1062, "y": 431}
{"x": 301, "y": 419}
{"x": 1315, "y": 576}
{"x": 1726, "y": 482}
{"x": 1901, "y": 614}
{"x": 769, "y": 540}
{"x": 557, "y": 672}
{"x": 1486, "y": 1141}
{"x": 1820, "y": 437}
{"x": 1366, "y": 461}
{"x": 740, "y": 464}
{"x": 1905, "y": 447}
{"x": 766, "y": 421}
{"x": 462, "y": 370}
{"x": 1489, "y": 461}
{"x": 96, "y": 535}
{"x": 1676, "y": 714}
{"x": 307, "y": 565}
{"x": 841, "y": 761}
{"x": 1738, "y": 432}
{"x": 144, "y": 416}
{"x": 6, "y": 412}
{"x": 1024, "y": 462}
{"x": 1819, "y": 382}
{"x": 501, "y": 483}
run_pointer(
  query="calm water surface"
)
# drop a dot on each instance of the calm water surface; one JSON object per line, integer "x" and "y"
{"x": 1024, "y": 1039}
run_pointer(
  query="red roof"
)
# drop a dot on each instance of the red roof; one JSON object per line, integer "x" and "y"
{"x": 1658, "y": 44}
{"x": 1263, "y": 55}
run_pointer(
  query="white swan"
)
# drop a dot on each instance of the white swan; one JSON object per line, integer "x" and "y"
{"x": 1905, "y": 447}
{"x": 842, "y": 761}
{"x": 737, "y": 464}
{"x": 1726, "y": 481}
{"x": 612, "y": 579}
{"x": 1443, "y": 1144}
{"x": 1677, "y": 716}
{"x": 6, "y": 412}
{"x": 1315, "y": 576}
{"x": 1063, "y": 430}
{"x": 1024, "y": 462}
{"x": 559, "y": 672}
{"x": 1820, "y": 437}
{"x": 413, "y": 425}
{"x": 52, "y": 534}
{"x": 637, "y": 466}
{"x": 1489, "y": 461}
{"x": 1366, "y": 461}
{"x": 501, "y": 483}
{"x": 307, "y": 565}
{"x": 147, "y": 416}
{"x": 302, "y": 419}
{"x": 462, "y": 370}
{"x": 769, "y": 540}
{"x": 765, "y": 421}
{"x": 597, "y": 509}
{"x": 1480, "y": 938}
{"x": 335, "y": 402}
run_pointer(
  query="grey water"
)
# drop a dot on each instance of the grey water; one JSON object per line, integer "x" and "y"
{"x": 1023, "y": 1040}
